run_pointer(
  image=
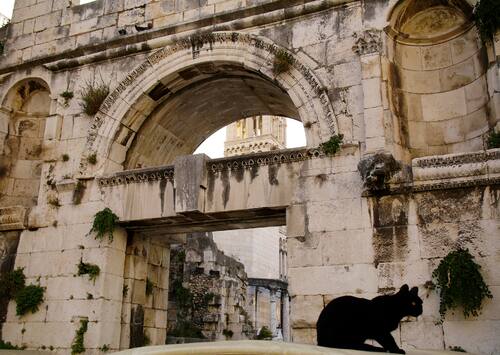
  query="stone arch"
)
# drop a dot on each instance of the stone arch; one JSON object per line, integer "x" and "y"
{"x": 25, "y": 109}
{"x": 437, "y": 77}
{"x": 150, "y": 85}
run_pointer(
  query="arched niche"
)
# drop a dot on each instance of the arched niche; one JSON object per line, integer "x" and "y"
{"x": 184, "y": 92}
{"x": 438, "y": 87}
{"x": 24, "y": 111}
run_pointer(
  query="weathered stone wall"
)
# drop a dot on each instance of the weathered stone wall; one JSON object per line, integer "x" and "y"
{"x": 165, "y": 101}
{"x": 215, "y": 300}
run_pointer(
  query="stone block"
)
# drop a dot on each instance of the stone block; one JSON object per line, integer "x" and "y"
{"x": 47, "y": 21}
{"x": 409, "y": 57}
{"x": 190, "y": 183}
{"x": 334, "y": 215}
{"x": 131, "y": 17}
{"x": 445, "y": 105}
{"x": 476, "y": 94}
{"x": 335, "y": 280}
{"x": 458, "y": 75}
{"x": 304, "y": 336}
{"x": 53, "y": 126}
{"x": 305, "y": 311}
{"x": 465, "y": 46}
{"x": 296, "y": 221}
{"x": 347, "y": 247}
{"x": 436, "y": 57}
{"x": 371, "y": 93}
{"x": 374, "y": 122}
{"x": 473, "y": 336}
{"x": 420, "y": 82}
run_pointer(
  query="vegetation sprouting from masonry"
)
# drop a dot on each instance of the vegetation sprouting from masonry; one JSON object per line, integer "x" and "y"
{"x": 89, "y": 269}
{"x": 333, "y": 145}
{"x": 93, "y": 95}
{"x": 460, "y": 283}
{"x": 104, "y": 224}
{"x": 487, "y": 18}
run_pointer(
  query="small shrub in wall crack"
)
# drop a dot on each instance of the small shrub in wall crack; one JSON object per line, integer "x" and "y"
{"x": 494, "y": 140}
{"x": 487, "y": 18}
{"x": 104, "y": 224}
{"x": 460, "y": 283}
{"x": 11, "y": 283}
{"x": 282, "y": 63}
{"x": 88, "y": 269}
{"x": 332, "y": 146}
{"x": 92, "y": 159}
{"x": 67, "y": 96}
{"x": 78, "y": 347}
{"x": 29, "y": 299}
{"x": 264, "y": 334}
{"x": 92, "y": 96}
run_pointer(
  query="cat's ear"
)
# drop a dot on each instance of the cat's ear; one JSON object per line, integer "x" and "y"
{"x": 404, "y": 289}
{"x": 414, "y": 291}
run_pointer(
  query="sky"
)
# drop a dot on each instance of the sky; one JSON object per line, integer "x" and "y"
{"x": 214, "y": 145}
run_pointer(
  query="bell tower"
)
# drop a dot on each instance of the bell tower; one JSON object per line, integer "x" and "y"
{"x": 255, "y": 134}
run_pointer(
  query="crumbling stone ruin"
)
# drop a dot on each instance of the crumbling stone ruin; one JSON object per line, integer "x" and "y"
{"x": 156, "y": 78}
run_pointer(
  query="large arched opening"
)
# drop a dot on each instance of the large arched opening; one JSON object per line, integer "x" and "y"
{"x": 184, "y": 92}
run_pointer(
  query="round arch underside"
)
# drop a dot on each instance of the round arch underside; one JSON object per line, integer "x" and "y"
{"x": 184, "y": 92}
{"x": 217, "y": 95}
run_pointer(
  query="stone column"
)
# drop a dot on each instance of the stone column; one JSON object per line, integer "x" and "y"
{"x": 272, "y": 301}
{"x": 285, "y": 315}
{"x": 368, "y": 46}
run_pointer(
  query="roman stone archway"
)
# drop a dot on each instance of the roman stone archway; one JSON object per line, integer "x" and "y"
{"x": 183, "y": 92}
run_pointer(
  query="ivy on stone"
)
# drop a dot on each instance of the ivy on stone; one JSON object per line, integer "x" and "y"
{"x": 78, "y": 347}
{"x": 28, "y": 299}
{"x": 104, "y": 224}
{"x": 494, "y": 140}
{"x": 11, "y": 283}
{"x": 460, "y": 283}
{"x": 332, "y": 146}
{"x": 91, "y": 270}
{"x": 487, "y": 18}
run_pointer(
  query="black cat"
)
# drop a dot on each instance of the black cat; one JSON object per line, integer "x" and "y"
{"x": 346, "y": 322}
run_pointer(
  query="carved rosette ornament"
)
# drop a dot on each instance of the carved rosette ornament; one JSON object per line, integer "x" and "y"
{"x": 367, "y": 42}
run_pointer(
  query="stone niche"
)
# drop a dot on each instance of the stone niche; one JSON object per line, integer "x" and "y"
{"x": 437, "y": 77}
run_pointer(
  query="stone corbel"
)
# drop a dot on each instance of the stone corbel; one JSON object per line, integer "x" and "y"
{"x": 377, "y": 170}
{"x": 12, "y": 218}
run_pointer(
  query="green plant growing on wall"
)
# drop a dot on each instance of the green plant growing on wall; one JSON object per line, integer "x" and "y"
{"x": 92, "y": 159}
{"x": 125, "y": 291}
{"x": 8, "y": 346}
{"x": 104, "y": 224}
{"x": 264, "y": 334}
{"x": 333, "y": 145}
{"x": 282, "y": 63}
{"x": 93, "y": 95}
{"x": 11, "y": 283}
{"x": 149, "y": 287}
{"x": 67, "y": 96}
{"x": 65, "y": 157}
{"x": 494, "y": 140}
{"x": 460, "y": 283}
{"x": 28, "y": 299}
{"x": 105, "y": 348}
{"x": 77, "y": 347}
{"x": 458, "y": 349}
{"x": 487, "y": 18}
{"x": 88, "y": 269}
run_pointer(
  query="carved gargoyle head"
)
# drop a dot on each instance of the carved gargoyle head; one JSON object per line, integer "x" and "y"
{"x": 376, "y": 170}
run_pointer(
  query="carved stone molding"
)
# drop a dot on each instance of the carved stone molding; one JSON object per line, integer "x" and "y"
{"x": 138, "y": 176}
{"x": 261, "y": 159}
{"x": 367, "y": 42}
{"x": 12, "y": 218}
{"x": 457, "y": 159}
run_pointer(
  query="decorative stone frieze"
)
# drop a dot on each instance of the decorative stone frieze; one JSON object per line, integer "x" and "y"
{"x": 260, "y": 159}
{"x": 138, "y": 176}
{"x": 12, "y": 218}
{"x": 367, "y": 42}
